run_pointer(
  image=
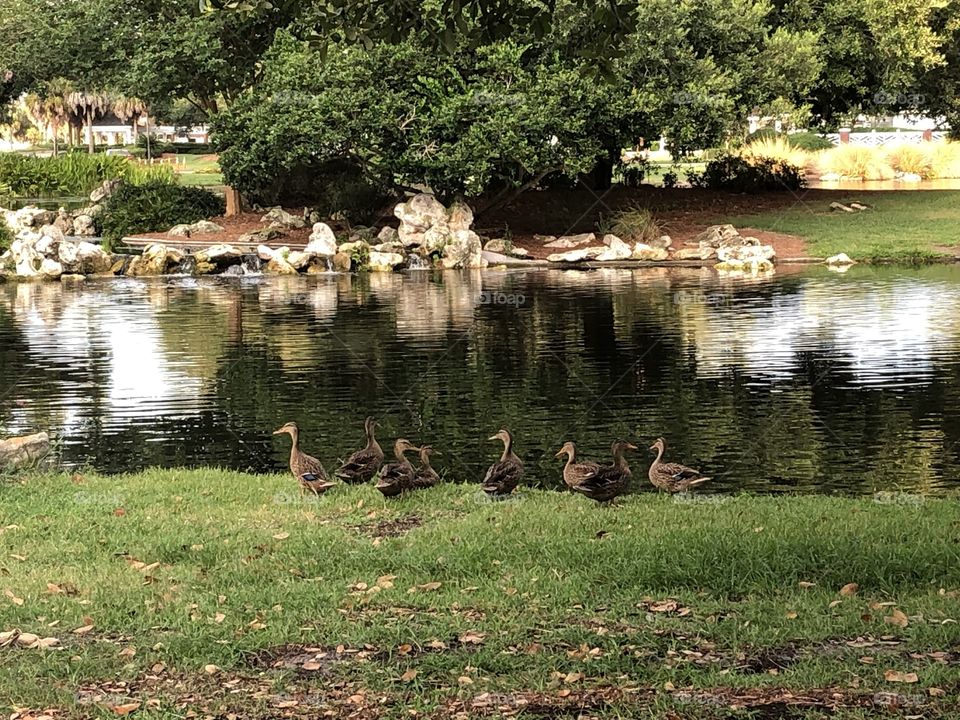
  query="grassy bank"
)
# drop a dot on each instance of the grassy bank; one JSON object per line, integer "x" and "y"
{"x": 219, "y": 592}
{"x": 910, "y": 225}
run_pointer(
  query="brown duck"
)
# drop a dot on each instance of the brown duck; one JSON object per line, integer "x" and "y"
{"x": 363, "y": 464}
{"x": 425, "y": 476}
{"x": 306, "y": 469}
{"x": 672, "y": 477}
{"x": 504, "y": 475}
{"x": 576, "y": 473}
{"x": 399, "y": 476}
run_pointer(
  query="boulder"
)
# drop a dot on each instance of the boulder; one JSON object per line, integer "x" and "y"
{"x": 181, "y": 230}
{"x": 577, "y": 255}
{"x": 50, "y": 269}
{"x": 717, "y": 235}
{"x": 397, "y": 247}
{"x": 355, "y": 247}
{"x": 342, "y": 262}
{"x": 464, "y": 251}
{"x": 278, "y": 265}
{"x": 703, "y": 252}
{"x": 29, "y": 217}
{"x": 91, "y": 210}
{"x": 25, "y": 450}
{"x": 839, "y": 260}
{"x": 323, "y": 241}
{"x": 277, "y": 217}
{"x": 388, "y": 234}
{"x": 202, "y": 227}
{"x": 747, "y": 253}
{"x": 417, "y": 215}
{"x": 617, "y": 249}
{"x": 664, "y": 241}
{"x": 93, "y": 259}
{"x": 64, "y": 222}
{"x": 25, "y": 258}
{"x": 459, "y": 216}
{"x": 259, "y": 237}
{"x": 83, "y": 226}
{"x": 504, "y": 247}
{"x": 156, "y": 259}
{"x": 67, "y": 255}
{"x": 71, "y": 279}
{"x": 217, "y": 256}
{"x": 571, "y": 241}
{"x": 53, "y": 232}
{"x": 300, "y": 260}
{"x": 384, "y": 262}
{"x": 648, "y": 252}
{"x": 105, "y": 190}
{"x": 754, "y": 267}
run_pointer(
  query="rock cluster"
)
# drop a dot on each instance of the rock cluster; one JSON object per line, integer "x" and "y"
{"x": 426, "y": 226}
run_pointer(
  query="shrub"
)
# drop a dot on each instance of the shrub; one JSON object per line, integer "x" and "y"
{"x": 635, "y": 224}
{"x": 734, "y": 173}
{"x": 6, "y": 236}
{"x": 911, "y": 159}
{"x": 802, "y": 140}
{"x": 854, "y": 161}
{"x": 75, "y": 173}
{"x": 945, "y": 160}
{"x": 154, "y": 207}
{"x": 777, "y": 149}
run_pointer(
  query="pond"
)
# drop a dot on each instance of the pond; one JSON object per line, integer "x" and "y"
{"x": 807, "y": 381}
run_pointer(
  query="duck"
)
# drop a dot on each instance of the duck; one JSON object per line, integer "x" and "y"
{"x": 575, "y": 473}
{"x": 306, "y": 469}
{"x": 399, "y": 476}
{"x": 425, "y": 476}
{"x": 672, "y": 477}
{"x": 504, "y": 475}
{"x": 364, "y": 463}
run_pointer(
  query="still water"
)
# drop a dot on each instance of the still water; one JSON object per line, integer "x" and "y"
{"x": 807, "y": 381}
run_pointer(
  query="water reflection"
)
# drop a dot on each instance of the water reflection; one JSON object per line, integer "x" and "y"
{"x": 800, "y": 381}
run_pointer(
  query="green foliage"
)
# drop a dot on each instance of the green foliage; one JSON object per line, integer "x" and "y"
{"x": 6, "y": 235}
{"x": 801, "y": 140}
{"x": 735, "y": 174}
{"x": 72, "y": 174}
{"x": 154, "y": 207}
{"x": 635, "y": 224}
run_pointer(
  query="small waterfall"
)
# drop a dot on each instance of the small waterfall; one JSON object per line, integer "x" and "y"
{"x": 251, "y": 264}
{"x": 417, "y": 262}
{"x": 187, "y": 266}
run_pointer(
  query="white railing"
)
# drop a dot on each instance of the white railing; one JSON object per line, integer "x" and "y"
{"x": 879, "y": 139}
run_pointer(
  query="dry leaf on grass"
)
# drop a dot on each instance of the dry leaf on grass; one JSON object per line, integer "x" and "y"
{"x": 895, "y": 676}
{"x": 409, "y": 676}
{"x": 472, "y": 637}
{"x": 83, "y": 629}
{"x": 281, "y": 536}
{"x": 849, "y": 590}
{"x": 211, "y": 669}
{"x": 125, "y": 709}
{"x": 13, "y": 598}
{"x": 805, "y": 584}
{"x": 898, "y": 618}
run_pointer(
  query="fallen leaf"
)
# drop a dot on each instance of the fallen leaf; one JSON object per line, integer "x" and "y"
{"x": 311, "y": 666}
{"x": 834, "y": 603}
{"x": 126, "y": 708}
{"x": 281, "y": 536}
{"x": 430, "y": 586}
{"x": 211, "y": 669}
{"x": 573, "y": 677}
{"x": 409, "y": 676}
{"x": 128, "y": 652}
{"x": 472, "y": 637}
{"x": 849, "y": 590}
{"x": 791, "y": 615}
{"x": 13, "y": 598}
{"x": 898, "y": 618}
{"x": 936, "y": 692}
{"x": 564, "y": 693}
{"x": 464, "y": 680}
{"x": 663, "y": 606}
{"x": 895, "y": 676}
{"x": 83, "y": 630}
{"x": 219, "y": 617}
{"x": 805, "y": 584}
{"x": 120, "y": 512}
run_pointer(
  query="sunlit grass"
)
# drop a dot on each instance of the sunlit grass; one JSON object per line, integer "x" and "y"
{"x": 192, "y": 568}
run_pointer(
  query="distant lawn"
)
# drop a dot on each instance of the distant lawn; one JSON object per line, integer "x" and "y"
{"x": 203, "y": 170}
{"x": 910, "y": 225}
{"x": 193, "y": 593}
{"x": 202, "y": 179}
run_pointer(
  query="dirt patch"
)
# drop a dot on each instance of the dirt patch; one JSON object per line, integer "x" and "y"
{"x": 391, "y": 528}
{"x": 233, "y": 228}
{"x": 310, "y": 659}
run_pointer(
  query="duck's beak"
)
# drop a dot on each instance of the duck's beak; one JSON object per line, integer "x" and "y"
{"x": 495, "y": 437}
{"x": 279, "y": 431}
{"x": 435, "y": 452}
{"x": 652, "y": 447}
{"x": 631, "y": 446}
{"x": 560, "y": 452}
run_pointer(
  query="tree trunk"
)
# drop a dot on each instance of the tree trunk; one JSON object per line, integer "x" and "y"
{"x": 601, "y": 177}
{"x": 91, "y": 145}
{"x": 56, "y": 143}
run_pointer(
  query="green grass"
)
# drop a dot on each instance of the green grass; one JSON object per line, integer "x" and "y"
{"x": 911, "y": 226}
{"x": 201, "y": 170}
{"x": 546, "y": 599}
{"x": 200, "y": 179}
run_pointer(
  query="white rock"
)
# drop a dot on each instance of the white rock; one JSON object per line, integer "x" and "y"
{"x": 571, "y": 241}
{"x": 577, "y": 255}
{"x": 351, "y": 247}
{"x": 204, "y": 226}
{"x": 50, "y": 269}
{"x": 264, "y": 252}
{"x": 642, "y": 251}
{"x": 746, "y": 253}
{"x": 384, "y": 262}
{"x": 83, "y": 226}
{"x": 617, "y": 249}
{"x": 181, "y": 230}
{"x": 840, "y": 259}
{"x": 93, "y": 259}
{"x": 464, "y": 251}
{"x": 280, "y": 218}
{"x": 105, "y": 190}
{"x": 459, "y": 216}
{"x": 911, "y": 178}
{"x": 323, "y": 241}
{"x": 388, "y": 234}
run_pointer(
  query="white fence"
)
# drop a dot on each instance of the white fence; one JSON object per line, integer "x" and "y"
{"x": 879, "y": 139}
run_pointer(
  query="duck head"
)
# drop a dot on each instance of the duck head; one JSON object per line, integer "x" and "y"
{"x": 291, "y": 428}
{"x": 659, "y": 445}
{"x": 568, "y": 449}
{"x": 503, "y": 435}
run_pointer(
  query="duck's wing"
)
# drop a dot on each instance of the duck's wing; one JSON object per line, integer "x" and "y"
{"x": 679, "y": 472}
{"x": 581, "y": 473}
{"x": 309, "y": 465}
{"x": 503, "y": 477}
{"x": 361, "y": 462}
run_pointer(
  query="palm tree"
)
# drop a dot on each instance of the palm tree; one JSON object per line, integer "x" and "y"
{"x": 49, "y": 110}
{"x": 89, "y": 105}
{"x": 127, "y": 108}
